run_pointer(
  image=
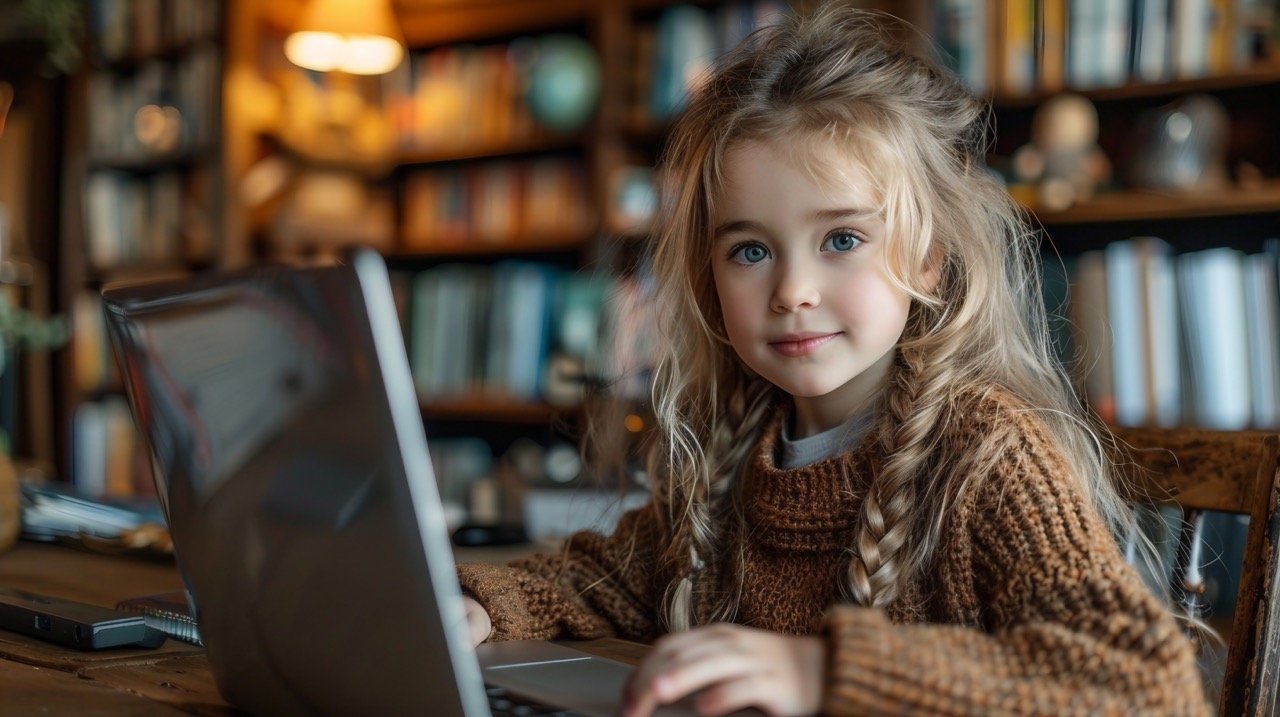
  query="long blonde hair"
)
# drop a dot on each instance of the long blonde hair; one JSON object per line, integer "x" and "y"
{"x": 842, "y": 75}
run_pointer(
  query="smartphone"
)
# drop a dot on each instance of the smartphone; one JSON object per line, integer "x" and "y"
{"x": 74, "y": 624}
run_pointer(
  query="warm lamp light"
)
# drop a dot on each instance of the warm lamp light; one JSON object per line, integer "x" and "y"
{"x": 359, "y": 37}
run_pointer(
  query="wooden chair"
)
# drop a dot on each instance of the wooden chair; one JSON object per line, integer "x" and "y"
{"x": 1232, "y": 472}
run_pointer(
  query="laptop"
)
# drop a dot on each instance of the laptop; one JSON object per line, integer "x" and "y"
{"x": 292, "y": 466}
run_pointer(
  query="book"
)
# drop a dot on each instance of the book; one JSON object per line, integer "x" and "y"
{"x": 168, "y": 612}
{"x": 1093, "y": 332}
{"x": 1125, "y": 318}
{"x": 1212, "y": 299}
{"x": 1262, "y": 314}
{"x": 1018, "y": 69}
{"x": 1149, "y": 41}
{"x": 960, "y": 28}
{"x": 1163, "y": 338}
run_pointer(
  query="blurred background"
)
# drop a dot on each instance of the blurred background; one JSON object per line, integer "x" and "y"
{"x": 500, "y": 154}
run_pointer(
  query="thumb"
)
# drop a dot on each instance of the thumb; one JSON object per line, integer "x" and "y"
{"x": 478, "y": 622}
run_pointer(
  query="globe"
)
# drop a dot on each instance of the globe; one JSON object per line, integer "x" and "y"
{"x": 562, "y": 82}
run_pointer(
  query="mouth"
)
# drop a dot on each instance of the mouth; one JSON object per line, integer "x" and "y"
{"x": 796, "y": 345}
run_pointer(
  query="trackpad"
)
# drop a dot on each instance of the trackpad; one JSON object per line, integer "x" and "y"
{"x": 590, "y": 685}
{"x": 580, "y": 683}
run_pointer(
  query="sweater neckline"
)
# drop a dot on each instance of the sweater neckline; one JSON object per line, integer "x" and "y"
{"x": 811, "y": 508}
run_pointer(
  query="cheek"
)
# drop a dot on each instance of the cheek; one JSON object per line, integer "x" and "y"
{"x": 737, "y": 304}
{"x": 875, "y": 304}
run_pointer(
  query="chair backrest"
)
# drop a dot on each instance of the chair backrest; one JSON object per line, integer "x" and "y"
{"x": 1231, "y": 472}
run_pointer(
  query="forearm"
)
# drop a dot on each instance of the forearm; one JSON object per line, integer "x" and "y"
{"x": 876, "y": 667}
{"x": 595, "y": 587}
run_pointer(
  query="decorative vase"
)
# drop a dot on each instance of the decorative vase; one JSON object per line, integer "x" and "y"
{"x": 9, "y": 513}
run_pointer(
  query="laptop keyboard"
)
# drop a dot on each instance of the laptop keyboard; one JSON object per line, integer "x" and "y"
{"x": 504, "y": 704}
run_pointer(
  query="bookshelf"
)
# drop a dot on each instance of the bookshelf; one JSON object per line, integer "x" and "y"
{"x": 1167, "y": 300}
{"x": 143, "y": 199}
{"x": 1225, "y": 55}
{"x": 394, "y": 154}
{"x": 30, "y": 125}
{"x": 626, "y": 132}
{"x": 464, "y": 183}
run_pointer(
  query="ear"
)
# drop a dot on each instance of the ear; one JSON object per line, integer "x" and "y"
{"x": 931, "y": 272}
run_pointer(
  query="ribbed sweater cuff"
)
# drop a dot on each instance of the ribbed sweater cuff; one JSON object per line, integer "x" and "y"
{"x": 862, "y": 674}
{"x": 498, "y": 591}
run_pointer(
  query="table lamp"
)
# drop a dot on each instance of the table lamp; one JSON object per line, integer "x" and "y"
{"x": 358, "y": 37}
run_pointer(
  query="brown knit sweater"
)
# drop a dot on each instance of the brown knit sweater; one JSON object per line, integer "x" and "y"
{"x": 1030, "y": 609}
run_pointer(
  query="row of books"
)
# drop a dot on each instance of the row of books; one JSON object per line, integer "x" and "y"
{"x": 674, "y": 55}
{"x": 164, "y": 108}
{"x": 157, "y": 219}
{"x": 1179, "y": 339}
{"x": 518, "y": 330}
{"x": 468, "y": 95}
{"x": 93, "y": 368}
{"x": 1019, "y": 46}
{"x": 107, "y": 458}
{"x": 137, "y": 28}
{"x": 497, "y": 203}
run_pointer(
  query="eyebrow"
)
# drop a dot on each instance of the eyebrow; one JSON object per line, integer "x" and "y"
{"x": 738, "y": 225}
{"x": 822, "y": 215}
{"x": 833, "y": 214}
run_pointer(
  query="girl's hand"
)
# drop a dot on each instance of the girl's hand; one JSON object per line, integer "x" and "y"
{"x": 734, "y": 667}
{"x": 478, "y": 622}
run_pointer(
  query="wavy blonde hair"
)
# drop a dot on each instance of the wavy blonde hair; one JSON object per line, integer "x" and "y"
{"x": 843, "y": 76}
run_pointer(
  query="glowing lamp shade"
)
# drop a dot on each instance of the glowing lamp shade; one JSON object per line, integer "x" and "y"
{"x": 359, "y": 37}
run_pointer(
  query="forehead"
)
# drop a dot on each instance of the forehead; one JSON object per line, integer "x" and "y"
{"x": 814, "y": 171}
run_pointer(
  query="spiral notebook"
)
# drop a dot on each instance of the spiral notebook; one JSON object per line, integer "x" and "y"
{"x": 166, "y": 612}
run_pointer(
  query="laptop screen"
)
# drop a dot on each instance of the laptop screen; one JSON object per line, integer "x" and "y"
{"x": 292, "y": 467}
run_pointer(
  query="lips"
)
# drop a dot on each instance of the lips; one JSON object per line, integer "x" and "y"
{"x": 795, "y": 345}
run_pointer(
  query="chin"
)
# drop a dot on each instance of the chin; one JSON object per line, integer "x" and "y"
{"x": 806, "y": 389}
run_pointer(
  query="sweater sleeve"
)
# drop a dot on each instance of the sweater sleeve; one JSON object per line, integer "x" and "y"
{"x": 1066, "y": 626}
{"x": 595, "y": 587}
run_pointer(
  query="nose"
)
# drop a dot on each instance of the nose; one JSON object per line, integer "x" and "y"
{"x": 796, "y": 289}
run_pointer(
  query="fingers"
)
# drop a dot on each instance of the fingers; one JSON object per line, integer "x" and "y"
{"x": 686, "y": 677}
{"x": 479, "y": 624}
{"x": 684, "y": 663}
{"x": 733, "y": 667}
{"x": 731, "y": 696}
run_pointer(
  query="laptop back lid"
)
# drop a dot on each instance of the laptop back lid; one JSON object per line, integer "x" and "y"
{"x": 294, "y": 473}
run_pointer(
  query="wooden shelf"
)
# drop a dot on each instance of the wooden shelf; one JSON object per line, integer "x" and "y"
{"x": 376, "y": 166}
{"x": 441, "y": 22}
{"x": 515, "y": 147}
{"x": 648, "y": 131}
{"x": 100, "y": 393}
{"x": 1261, "y": 74}
{"x": 168, "y": 53}
{"x": 100, "y": 278}
{"x": 1135, "y": 205}
{"x": 476, "y": 248}
{"x": 154, "y": 163}
{"x": 491, "y": 409}
{"x": 353, "y": 161}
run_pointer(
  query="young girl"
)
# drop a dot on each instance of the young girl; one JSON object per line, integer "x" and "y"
{"x": 875, "y": 490}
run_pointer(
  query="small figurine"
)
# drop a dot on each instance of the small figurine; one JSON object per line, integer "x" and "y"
{"x": 1063, "y": 162}
{"x": 1181, "y": 146}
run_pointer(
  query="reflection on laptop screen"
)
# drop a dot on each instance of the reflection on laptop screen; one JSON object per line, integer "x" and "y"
{"x": 273, "y": 403}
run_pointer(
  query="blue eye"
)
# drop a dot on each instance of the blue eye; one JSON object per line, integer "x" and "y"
{"x": 841, "y": 241}
{"x": 749, "y": 254}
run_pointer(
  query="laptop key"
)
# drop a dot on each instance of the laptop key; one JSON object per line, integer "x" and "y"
{"x": 504, "y": 705}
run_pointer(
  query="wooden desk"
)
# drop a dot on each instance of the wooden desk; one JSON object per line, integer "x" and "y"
{"x": 42, "y": 678}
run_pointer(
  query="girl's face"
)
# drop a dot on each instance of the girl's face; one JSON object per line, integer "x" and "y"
{"x": 799, "y": 267}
